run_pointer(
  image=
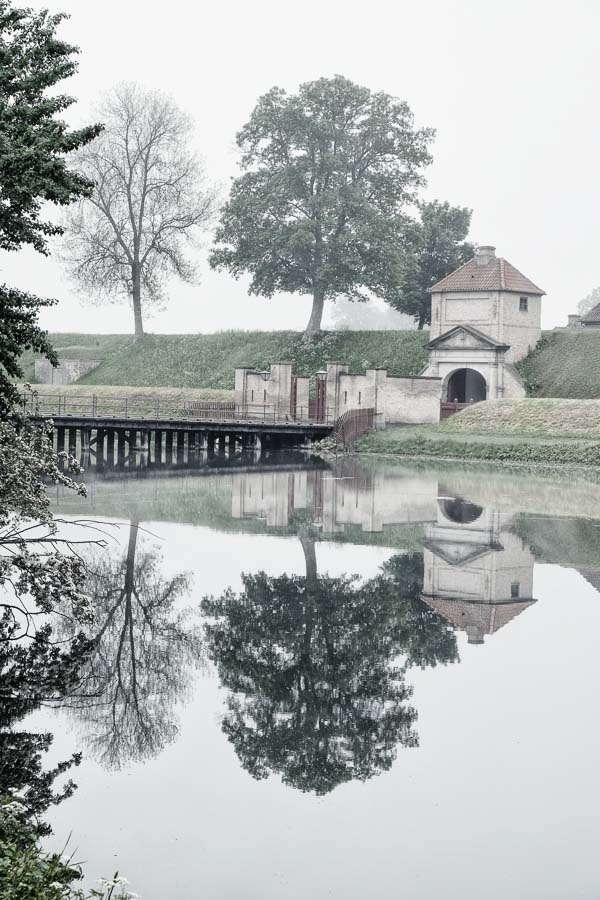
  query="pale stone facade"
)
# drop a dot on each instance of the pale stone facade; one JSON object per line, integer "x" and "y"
{"x": 395, "y": 400}
{"x": 485, "y": 316}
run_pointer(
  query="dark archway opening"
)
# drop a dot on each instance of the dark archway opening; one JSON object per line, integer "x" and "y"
{"x": 460, "y": 511}
{"x": 466, "y": 386}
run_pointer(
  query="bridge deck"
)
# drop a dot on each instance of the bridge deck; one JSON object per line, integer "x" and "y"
{"x": 220, "y": 425}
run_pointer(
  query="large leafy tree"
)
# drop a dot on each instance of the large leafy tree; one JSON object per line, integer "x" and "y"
{"x": 151, "y": 201}
{"x": 587, "y": 303}
{"x": 320, "y": 206}
{"x": 438, "y": 245}
{"x": 34, "y": 145}
{"x": 317, "y": 686}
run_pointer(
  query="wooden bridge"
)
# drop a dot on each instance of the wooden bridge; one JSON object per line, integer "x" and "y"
{"x": 110, "y": 431}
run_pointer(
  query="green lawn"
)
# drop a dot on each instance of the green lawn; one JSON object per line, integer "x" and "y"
{"x": 519, "y": 431}
{"x": 208, "y": 360}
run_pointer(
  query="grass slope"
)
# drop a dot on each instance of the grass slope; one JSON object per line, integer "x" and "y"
{"x": 534, "y": 416}
{"x": 208, "y": 360}
{"x": 566, "y": 363}
{"x": 519, "y": 431}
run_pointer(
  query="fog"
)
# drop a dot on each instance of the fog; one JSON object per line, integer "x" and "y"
{"x": 511, "y": 89}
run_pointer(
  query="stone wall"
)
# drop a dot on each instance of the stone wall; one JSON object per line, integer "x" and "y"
{"x": 264, "y": 392}
{"x": 67, "y": 372}
{"x": 395, "y": 400}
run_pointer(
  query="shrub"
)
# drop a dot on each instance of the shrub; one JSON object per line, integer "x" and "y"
{"x": 27, "y": 872}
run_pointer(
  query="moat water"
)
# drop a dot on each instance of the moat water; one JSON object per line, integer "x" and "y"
{"x": 338, "y": 680}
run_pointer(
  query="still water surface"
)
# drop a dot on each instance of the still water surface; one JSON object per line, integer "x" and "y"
{"x": 339, "y": 681}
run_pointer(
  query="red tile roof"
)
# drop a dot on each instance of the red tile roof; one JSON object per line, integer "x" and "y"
{"x": 593, "y": 315}
{"x": 497, "y": 275}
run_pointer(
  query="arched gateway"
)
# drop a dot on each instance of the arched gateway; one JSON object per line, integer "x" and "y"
{"x": 465, "y": 386}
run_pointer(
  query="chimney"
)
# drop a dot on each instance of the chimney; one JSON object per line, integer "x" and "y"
{"x": 485, "y": 255}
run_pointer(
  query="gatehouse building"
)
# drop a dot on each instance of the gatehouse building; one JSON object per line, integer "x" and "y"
{"x": 485, "y": 316}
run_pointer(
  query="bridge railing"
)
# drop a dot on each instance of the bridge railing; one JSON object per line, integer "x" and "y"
{"x": 97, "y": 406}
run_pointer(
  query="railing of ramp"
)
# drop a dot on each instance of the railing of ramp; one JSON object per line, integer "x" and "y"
{"x": 352, "y": 425}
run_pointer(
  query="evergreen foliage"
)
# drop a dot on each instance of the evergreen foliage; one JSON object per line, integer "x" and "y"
{"x": 34, "y": 142}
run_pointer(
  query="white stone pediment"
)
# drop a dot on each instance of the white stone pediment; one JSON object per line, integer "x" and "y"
{"x": 456, "y": 553}
{"x": 464, "y": 338}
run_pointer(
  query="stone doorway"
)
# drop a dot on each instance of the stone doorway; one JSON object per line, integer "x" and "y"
{"x": 466, "y": 386}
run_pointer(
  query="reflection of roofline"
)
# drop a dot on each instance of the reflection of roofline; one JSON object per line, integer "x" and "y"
{"x": 480, "y": 550}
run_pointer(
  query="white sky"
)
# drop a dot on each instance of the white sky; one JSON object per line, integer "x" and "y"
{"x": 511, "y": 87}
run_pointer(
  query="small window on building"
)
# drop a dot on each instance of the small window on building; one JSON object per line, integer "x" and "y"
{"x": 359, "y": 397}
{"x": 346, "y": 398}
{"x": 264, "y": 396}
{"x": 523, "y": 304}
{"x": 515, "y": 590}
{"x": 252, "y": 395}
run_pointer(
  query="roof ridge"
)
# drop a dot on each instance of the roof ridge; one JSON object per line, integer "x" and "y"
{"x": 497, "y": 275}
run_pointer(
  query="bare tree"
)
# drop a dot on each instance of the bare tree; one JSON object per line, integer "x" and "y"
{"x": 151, "y": 201}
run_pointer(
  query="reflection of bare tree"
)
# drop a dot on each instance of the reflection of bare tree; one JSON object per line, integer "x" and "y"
{"x": 143, "y": 649}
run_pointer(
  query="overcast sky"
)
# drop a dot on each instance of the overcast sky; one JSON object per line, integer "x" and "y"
{"x": 510, "y": 87}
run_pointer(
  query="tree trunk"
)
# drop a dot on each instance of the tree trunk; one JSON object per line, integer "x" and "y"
{"x": 130, "y": 561}
{"x": 314, "y": 323}
{"x": 421, "y": 324}
{"x": 137, "y": 303}
{"x": 310, "y": 558}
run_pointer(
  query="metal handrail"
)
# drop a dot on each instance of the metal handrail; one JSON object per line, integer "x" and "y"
{"x": 97, "y": 406}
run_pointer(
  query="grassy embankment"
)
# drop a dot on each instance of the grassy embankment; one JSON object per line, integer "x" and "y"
{"x": 535, "y": 431}
{"x": 208, "y": 360}
{"x": 566, "y": 363}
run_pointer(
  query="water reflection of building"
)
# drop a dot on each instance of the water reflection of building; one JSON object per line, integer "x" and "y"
{"x": 477, "y": 574}
{"x": 370, "y": 501}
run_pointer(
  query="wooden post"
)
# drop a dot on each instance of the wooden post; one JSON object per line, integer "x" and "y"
{"x": 73, "y": 441}
{"x": 180, "y": 447}
{"x": 169, "y": 448}
{"x": 100, "y": 435}
{"x": 110, "y": 446}
{"x": 157, "y": 446}
{"x": 121, "y": 447}
{"x": 221, "y": 444}
{"x": 60, "y": 440}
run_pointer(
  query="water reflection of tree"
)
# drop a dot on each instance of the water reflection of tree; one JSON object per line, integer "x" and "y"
{"x": 31, "y": 673}
{"x": 143, "y": 649}
{"x": 318, "y": 691}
